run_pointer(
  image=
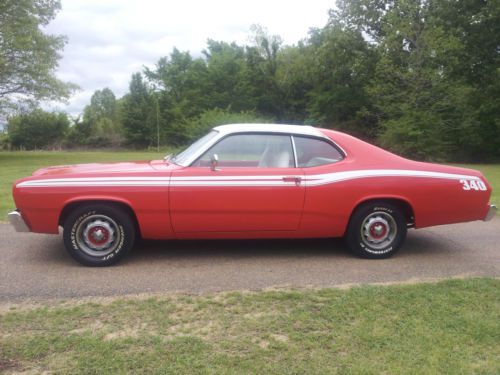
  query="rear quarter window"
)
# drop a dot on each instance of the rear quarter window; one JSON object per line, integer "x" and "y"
{"x": 312, "y": 152}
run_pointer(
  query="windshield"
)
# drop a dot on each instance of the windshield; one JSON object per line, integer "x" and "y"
{"x": 185, "y": 155}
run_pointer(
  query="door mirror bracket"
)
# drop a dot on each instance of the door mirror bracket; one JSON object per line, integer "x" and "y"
{"x": 214, "y": 160}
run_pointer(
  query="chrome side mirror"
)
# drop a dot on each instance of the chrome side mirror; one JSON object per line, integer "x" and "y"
{"x": 214, "y": 160}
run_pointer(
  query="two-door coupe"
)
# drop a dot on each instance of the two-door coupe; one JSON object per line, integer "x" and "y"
{"x": 250, "y": 181}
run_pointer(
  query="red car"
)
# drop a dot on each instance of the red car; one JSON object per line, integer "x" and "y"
{"x": 250, "y": 181}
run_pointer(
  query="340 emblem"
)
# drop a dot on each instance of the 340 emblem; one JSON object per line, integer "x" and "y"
{"x": 473, "y": 185}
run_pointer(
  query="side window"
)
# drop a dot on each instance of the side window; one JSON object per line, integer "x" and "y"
{"x": 251, "y": 150}
{"x": 312, "y": 152}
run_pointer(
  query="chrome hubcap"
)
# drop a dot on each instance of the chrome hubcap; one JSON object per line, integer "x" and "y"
{"x": 98, "y": 235}
{"x": 378, "y": 230}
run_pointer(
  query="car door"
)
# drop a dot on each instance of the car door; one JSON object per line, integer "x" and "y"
{"x": 255, "y": 186}
{"x": 324, "y": 212}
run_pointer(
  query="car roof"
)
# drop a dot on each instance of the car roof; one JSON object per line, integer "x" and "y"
{"x": 270, "y": 128}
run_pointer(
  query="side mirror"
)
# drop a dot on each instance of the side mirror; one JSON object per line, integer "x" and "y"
{"x": 214, "y": 160}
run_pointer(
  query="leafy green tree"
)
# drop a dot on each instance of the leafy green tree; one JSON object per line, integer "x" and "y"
{"x": 431, "y": 73}
{"x": 101, "y": 121}
{"x": 102, "y": 104}
{"x": 342, "y": 64}
{"x": 182, "y": 93}
{"x": 37, "y": 130}
{"x": 28, "y": 56}
{"x": 138, "y": 113}
{"x": 475, "y": 24}
{"x": 78, "y": 133}
{"x": 262, "y": 64}
{"x": 295, "y": 78}
{"x": 227, "y": 83}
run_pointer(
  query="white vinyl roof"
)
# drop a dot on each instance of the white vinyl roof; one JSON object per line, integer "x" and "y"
{"x": 272, "y": 128}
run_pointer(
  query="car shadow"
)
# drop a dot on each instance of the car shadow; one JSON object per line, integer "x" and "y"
{"x": 418, "y": 244}
{"x": 237, "y": 249}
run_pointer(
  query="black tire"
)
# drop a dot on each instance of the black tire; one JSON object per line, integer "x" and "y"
{"x": 376, "y": 230}
{"x": 98, "y": 235}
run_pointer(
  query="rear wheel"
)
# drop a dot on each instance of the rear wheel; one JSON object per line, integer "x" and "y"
{"x": 376, "y": 230}
{"x": 98, "y": 235}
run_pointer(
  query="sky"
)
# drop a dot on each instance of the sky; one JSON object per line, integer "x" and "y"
{"x": 108, "y": 40}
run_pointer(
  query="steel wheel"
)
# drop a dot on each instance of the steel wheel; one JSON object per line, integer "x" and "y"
{"x": 376, "y": 230}
{"x": 99, "y": 235}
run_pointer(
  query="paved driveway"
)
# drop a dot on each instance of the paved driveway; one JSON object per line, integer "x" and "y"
{"x": 37, "y": 267}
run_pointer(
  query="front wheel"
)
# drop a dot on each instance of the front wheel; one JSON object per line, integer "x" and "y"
{"x": 376, "y": 230}
{"x": 98, "y": 235}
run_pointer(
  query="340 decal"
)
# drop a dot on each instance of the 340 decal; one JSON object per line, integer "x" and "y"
{"x": 473, "y": 185}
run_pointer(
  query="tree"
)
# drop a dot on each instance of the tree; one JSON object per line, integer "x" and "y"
{"x": 435, "y": 87}
{"x": 101, "y": 122}
{"x": 138, "y": 112}
{"x": 227, "y": 77}
{"x": 182, "y": 93}
{"x": 262, "y": 64}
{"x": 28, "y": 56}
{"x": 295, "y": 76}
{"x": 37, "y": 129}
{"x": 341, "y": 65}
{"x": 103, "y": 104}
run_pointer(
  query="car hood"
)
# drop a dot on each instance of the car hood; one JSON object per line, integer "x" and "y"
{"x": 127, "y": 167}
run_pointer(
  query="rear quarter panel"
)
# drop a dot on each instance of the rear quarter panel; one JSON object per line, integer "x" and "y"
{"x": 434, "y": 200}
{"x": 328, "y": 207}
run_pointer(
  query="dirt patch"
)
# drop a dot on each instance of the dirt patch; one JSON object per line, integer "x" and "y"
{"x": 9, "y": 365}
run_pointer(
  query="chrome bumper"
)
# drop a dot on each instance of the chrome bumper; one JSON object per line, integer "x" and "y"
{"x": 491, "y": 212}
{"x": 18, "y": 222}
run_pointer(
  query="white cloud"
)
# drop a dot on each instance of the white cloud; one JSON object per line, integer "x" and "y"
{"x": 109, "y": 40}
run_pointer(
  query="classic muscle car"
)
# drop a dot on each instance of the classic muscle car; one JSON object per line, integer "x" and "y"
{"x": 250, "y": 181}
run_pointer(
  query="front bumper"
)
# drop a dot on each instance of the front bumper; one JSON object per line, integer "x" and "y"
{"x": 491, "y": 212}
{"x": 18, "y": 222}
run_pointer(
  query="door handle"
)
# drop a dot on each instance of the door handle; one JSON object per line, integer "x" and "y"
{"x": 295, "y": 179}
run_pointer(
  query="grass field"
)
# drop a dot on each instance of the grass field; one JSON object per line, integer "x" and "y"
{"x": 14, "y": 165}
{"x": 449, "y": 327}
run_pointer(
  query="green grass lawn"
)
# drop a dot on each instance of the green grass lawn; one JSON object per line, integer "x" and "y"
{"x": 14, "y": 165}
{"x": 449, "y": 327}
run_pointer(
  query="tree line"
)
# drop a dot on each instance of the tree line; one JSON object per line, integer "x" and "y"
{"x": 419, "y": 77}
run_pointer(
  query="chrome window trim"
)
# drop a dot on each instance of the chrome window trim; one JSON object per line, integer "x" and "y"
{"x": 220, "y": 139}
{"x": 291, "y": 130}
{"x": 328, "y": 140}
{"x": 296, "y": 162}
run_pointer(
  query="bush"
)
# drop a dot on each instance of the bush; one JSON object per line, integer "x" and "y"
{"x": 37, "y": 130}
{"x": 4, "y": 141}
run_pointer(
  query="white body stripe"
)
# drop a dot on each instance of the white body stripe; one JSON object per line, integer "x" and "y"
{"x": 370, "y": 173}
{"x": 266, "y": 180}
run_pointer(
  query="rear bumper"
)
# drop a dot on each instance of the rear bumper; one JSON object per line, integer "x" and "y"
{"x": 18, "y": 222}
{"x": 491, "y": 212}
